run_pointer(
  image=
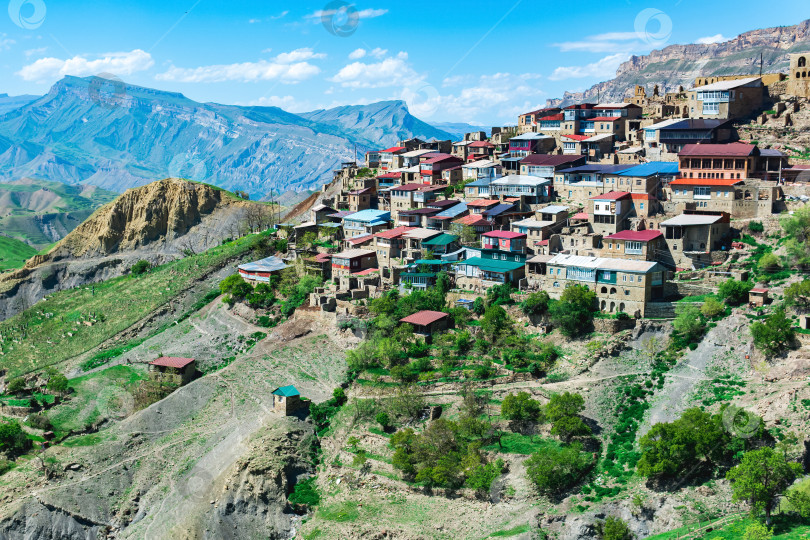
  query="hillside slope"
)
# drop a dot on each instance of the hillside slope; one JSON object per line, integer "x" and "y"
{"x": 157, "y": 222}
{"x": 119, "y": 136}
{"x": 679, "y": 65}
{"x": 14, "y": 253}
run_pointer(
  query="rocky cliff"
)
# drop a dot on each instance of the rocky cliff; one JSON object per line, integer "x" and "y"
{"x": 679, "y": 65}
{"x": 157, "y": 222}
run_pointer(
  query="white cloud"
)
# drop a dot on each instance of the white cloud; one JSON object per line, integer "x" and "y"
{"x": 717, "y": 38}
{"x": 357, "y": 54}
{"x": 606, "y": 67}
{"x": 6, "y": 42}
{"x": 35, "y": 52}
{"x": 270, "y": 18}
{"x": 299, "y": 55}
{"x": 262, "y": 70}
{"x": 117, "y": 63}
{"x": 361, "y": 14}
{"x": 378, "y": 52}
{"x": 391, "y": 71}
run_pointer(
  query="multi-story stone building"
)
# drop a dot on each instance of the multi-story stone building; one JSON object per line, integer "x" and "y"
{"x": 640, "y": 245}
{"x": 799, "y": 81}
{"x": 670, "y": 136}
{"x": 739, "y": 98}
{"x": 621, "y": 285}
{"x": 691, "y": 238}
{"x": 610, "y": 211}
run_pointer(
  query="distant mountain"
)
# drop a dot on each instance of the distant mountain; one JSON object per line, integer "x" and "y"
{"x": 118, "y": 136}
{"x": 458, "y": 129}
{"x": 9, "y": 103}
{"x": 39, "y": 212}
{"x": 679, "y": 65}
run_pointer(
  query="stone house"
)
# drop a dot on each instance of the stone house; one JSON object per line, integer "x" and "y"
{"x": 286, "y": 400}
{"x": 610, "y": 211}
{"x": 173, "y": 370}
{"x": 352, "y": 261}
{"x": 260, "y": 271}
{"x": 639, "y": 245}
{"x": 726, "y": 100}
{"x": 691, "y": 239}
{"x": 426, "y": 323}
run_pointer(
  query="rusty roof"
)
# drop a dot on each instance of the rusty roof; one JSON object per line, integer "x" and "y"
{"x": 172, "y": 361}
{"x": 424, "y": 318}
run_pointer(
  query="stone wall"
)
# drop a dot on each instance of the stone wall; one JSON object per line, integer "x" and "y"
{"x": 613, "y": 326}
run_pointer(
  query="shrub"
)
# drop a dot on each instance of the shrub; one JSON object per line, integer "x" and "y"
{"x": 13, "y": 440}
{"x": 798, "y": 294}
{"x": 774, "y": 334}
{"x": 614, "y": 528}
{"x": 769, "y": 263}
{"x": 535, "y": 303}
{"x": 235, "y": 288}
{"x": 688, "y": 322}
{"x": 383, "y": 419}
{"x": 478, "y": 306}
{"x": 140, "y": 267}
{"x": 148, "y": 392}
{"x": 712, "y": 307}
{"x": 16, "y": 386}
{"x": 757, "y": 531}
{"x": 58, "y": 383}
{"x": 573, "y": 314}
{"x": 756, "y": 226}
{"x": 305, "y": 493}
{"x": 40, "y": 421}
{"x": 734, "y": 292}
{"x": 554, "y": 470}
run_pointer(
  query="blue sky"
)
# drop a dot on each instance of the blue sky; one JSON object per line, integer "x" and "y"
{"x": 472, "y": 61}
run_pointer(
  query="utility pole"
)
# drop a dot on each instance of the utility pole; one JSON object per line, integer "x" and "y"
{"x": 760, "y": 63}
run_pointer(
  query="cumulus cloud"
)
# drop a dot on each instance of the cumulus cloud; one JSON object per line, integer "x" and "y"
{"x": 118, "y": 63}
{"x": 6, "y": 42}
{"x": 262, "y": 70}
{"x": 606, "y": 67}
{"x": 299, "y": 55}
{"x": 357, "y": 54}
{"x": 717, "y": 38}
{"x": 377, "y": 52}
{"x": 391, "y": 71}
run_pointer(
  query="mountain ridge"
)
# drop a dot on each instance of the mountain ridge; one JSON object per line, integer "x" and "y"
{"x": 117, "y": 136}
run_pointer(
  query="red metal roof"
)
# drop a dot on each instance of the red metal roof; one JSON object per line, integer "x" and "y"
{"x": 641, "y": 196}
{"x": 394, "y": 149}
{"x": 581, "y": 106}
{"x": 604, "y": 119}
{"x": 482, "y": 202}
{"x": 504, "y": 234}
{"x": 705, "y": 182}
{"x": 360, "y": 239}
{"x": 760, "y": 291}
{"x": 580, "y": 215}
{"x": 611, "y": 196}
{"x": 552, "y": 117}
{"x": 424, "y": 318}
{"x": 576, "y": 137}
{"x": 408, "y": 187}
{"x": 640, "y": 236}
{"x": 394, "y": 233}
{"x": 366, "y": 272}
{"x": 473, "y": 219}
{"x": 482, "y": 144}
{"x": 735, "y": 149}
{"x": 389, "y": 175}
{"x": 172, "y": 361}
{"x": 323, "y": 257}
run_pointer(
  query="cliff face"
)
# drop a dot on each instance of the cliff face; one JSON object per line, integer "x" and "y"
{"x": 156, "y": 222}
{"x": 679, "y": 65}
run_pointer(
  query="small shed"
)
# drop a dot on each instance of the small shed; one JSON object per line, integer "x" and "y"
{"x": 286, "y": 400}
{"x": 758, "y": 297}
{"x": 170, "y": 369}
{"x": 427, "y": 322}
{"x": 804, "y": 322}
{"x": 260, "y": 271}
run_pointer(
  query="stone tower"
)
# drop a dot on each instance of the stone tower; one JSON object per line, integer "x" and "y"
{"x": 799, "y": 81}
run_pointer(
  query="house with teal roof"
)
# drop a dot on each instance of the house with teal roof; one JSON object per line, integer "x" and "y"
{"x": 286, "y": 400}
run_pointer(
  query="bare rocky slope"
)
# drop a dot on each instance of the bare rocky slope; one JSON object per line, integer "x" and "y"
{"x": 156, "y": 222}
{"x": 679, "y": 65}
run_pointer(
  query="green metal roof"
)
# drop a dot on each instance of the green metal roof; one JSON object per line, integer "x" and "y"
{"x": 493, "y": 265}
{"x": 416, "y": 274}
{"x": 431, "y": 262}
{"x": 441, "y": 240}
{"x": 286, "y": 391}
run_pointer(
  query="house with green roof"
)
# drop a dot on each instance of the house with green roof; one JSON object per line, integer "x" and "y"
{"x": 443, "y": 244}
{"x": 491, "y": 267}
{"x": 286, "y": 400}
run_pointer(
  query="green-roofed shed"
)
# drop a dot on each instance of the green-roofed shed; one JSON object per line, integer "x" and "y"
{"x": 442, "y": 244}
{"x": 286, "y": 400}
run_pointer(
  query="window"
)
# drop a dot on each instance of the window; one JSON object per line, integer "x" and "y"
{"x": 641, "y": 206}
{"x": 626, "y": 292}
{"x": 638, "y": 279}
{"x": 624, "y": 278}
{"x": 632, "y": 247}
{"x": 703, "y": 192}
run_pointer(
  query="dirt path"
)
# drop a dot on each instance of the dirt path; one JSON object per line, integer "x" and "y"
{"x": 695, "y": 366}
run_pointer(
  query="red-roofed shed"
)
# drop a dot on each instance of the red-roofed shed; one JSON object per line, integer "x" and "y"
{"x": 172, "y": 370}
{"x": 427, "y": 322}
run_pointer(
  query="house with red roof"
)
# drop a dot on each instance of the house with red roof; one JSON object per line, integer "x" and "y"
{"x": 531, "y": 120}
{"x": 640, "y": 245}
{"x": 426, "y": 323}
{"x": 387, "y": 156}
{"x": 609, "y": 211}
{"x": 172, "y": 370}
{"x": 390, "y": 245}
{"x": 506, "y": 241}
{"x": 431, "y": 169}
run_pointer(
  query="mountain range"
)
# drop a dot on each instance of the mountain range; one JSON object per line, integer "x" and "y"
{"x": 679, "y": 65}
{"x": 117, "y": 136}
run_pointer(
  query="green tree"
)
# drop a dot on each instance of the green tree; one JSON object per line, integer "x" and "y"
{"x": 761, "y": 476}
{"x": 797, "y": 232}
{"x": 614, "y": 528}
{"x": 309, "y": 239}
{"x": 13, "y": 440}
{"x": 798, "y": 295}
{"x": 478, "y": 306}
{"x": 521, "y": 410}
{"x": 573, "y": 314}
{"x": 235, "y": 288}
{"x": 734, "y": 292}
{"x": 140, "y": 267}
{"x": 569, "y": 427}
{"x": 562, "y": 405}
{"x": 756, "y": 226}
{"x": 16, "y": 386}
{"x": 383, "y": 419}
{"x": 688, "y": 322}
{"x": 58, "y": 383}
{"x": 774, "y": 335}
{"x": 494, "y": 322}
{"x": 499, "y": 294}
{"x": 712, "y": 307}
{"x": 535, "y": 304}
{"x": 769, "y": 263}
{"x": 554, "y": 470}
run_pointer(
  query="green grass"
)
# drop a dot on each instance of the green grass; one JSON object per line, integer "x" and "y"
{"x": 339, "y": 512}
{"x": 14, "y": 253}
{"x": 515, "y": 443}
{"x": 698, "y": 298}
{"x": 83, "y": 440}
{"x": 92, "y": 392}
{"x": 117, "y": 304}
{"x": 514, "y": 531}
{"x": 784, "y": 528}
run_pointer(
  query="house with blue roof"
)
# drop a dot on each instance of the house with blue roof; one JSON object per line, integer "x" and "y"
{"x": 478, "y": 188}
{"x": 647, "y": 178}
{"x": 365, "y": 222}
{"x": 286, "y": 400}
{"x": 583, "y": 182}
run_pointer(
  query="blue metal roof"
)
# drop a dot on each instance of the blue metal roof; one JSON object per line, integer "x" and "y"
{"x": 369, "y": 216}
{"x": 453, "y": 211}
{"x": 598, "y": 168}
{"x": 268, "y": 264}
{"x": 497, "y": 209}
{"x": 651, "y": 168}
{"x": 481, "y": 182}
